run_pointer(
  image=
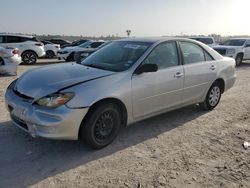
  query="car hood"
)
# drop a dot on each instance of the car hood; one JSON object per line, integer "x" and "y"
{"x": 73, "y": 49}
{"x": 43, "y": 81}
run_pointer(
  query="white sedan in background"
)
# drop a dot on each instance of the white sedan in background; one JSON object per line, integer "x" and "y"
{"x": 9, "y": 60}
{"x": 68, "y": 53}
{"x": 50, "y": 48}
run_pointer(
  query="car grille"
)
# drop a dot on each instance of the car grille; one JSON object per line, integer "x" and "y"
{"x": 19, "y": 122}
{"x": 221, "y": 51}
{"x": 22, "y": 96}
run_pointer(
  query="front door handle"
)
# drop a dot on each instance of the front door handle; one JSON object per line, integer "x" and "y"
{"x": 178, "y": 75}
{"x": 213, "y": 67}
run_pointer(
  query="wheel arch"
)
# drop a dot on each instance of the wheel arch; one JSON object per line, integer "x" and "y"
{"x": 221, "y": 81}
{"x": 111, "y": 100}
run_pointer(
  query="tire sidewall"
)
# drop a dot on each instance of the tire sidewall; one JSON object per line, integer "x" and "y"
{"x": 241, "y": 59}
{"x": 207, "y": 104}
{"x": 29, "y": 52}
{"x": 87, "y": 130}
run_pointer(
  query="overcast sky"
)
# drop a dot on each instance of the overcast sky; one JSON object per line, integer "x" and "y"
{"x": 143, "y": 17}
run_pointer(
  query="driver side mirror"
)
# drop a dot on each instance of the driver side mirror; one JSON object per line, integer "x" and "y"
{"x": 147, "y": 68}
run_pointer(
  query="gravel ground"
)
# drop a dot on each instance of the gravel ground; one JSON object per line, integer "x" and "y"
{"x": 185, "y": 148}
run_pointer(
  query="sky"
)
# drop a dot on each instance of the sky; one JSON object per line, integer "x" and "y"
{"x": 142, "y": 17}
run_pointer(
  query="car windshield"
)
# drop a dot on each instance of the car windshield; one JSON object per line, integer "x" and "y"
{"x": 204, "y": 40}
{"x": 234, "y": 42}
{"x": 117, "y": 56}
{"x": 85, "y": 44}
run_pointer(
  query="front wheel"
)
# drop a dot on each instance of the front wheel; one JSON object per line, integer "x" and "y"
{"x": 213, "y": 97}
{"x": 239, "y": 59}
{"x": 50, "y": 54}
{"x": 101, "y": 126}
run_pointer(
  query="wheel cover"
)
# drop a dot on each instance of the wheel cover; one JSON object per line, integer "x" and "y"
{"x": 29, "y": 58}
{"x": 104, "y": 126}
{"x": 238, "y": 60}
{"x": 214, "y": 96}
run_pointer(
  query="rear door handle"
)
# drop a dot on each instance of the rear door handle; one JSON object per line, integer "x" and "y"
{"x": 178, "y": 75}
{"x": 213, "y": 67}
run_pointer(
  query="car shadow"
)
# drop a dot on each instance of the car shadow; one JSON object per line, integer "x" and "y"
{"x": 42, "y": 62}
{"x": 26, "y": 161}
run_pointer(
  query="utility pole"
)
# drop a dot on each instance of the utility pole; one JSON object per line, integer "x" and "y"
{"x": 128, "y": 32}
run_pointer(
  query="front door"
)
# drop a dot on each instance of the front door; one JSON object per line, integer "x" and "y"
{"x": 158, "y": 91}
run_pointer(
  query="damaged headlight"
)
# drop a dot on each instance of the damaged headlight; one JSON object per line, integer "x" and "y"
{"x": 55, "y": 100}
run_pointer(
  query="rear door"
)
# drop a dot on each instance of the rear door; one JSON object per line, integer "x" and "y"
{"x": 200, "y": 71}
{"x": 157, "y": 91}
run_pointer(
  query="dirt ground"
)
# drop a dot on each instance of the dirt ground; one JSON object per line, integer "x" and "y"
{"x": 185, "y": 148}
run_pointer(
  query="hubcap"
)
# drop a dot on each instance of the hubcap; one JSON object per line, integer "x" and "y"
{"x": 104, "y": 126}
{"x": 214, "y": 96}
{"x": 29, "y": 58}
{"x": 238, "y": 60}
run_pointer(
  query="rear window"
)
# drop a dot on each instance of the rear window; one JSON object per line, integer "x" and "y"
{"x": 234, "y": 42}
{"x": 13, "y": 39}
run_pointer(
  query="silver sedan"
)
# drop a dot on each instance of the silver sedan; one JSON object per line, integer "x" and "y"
{"x": 124, "y": 82}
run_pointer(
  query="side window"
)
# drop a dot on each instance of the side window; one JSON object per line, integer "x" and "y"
{"x": 208, "y": 57}
{"x": 13, "y": 39}
{"x": 192, "y": 53}
{"x": 164, "y": 55}
{"x": 1, "y": 39}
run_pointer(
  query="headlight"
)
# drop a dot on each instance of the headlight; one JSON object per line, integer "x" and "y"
{"x": 55, "y": 100}
{"x": 231, "y": 51}
{"x": 84, "y": 55}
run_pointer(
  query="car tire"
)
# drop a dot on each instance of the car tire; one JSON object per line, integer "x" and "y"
{"x": 213, "y": 97}
{"x": 29, "y": 57}
{"x": 101, "y": 126}
{"x": 70, "y": 57}
{"x": 239, "y": 59}
{"x": 50, "y": 54}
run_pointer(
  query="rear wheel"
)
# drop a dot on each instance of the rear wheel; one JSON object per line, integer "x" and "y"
{"x": 29, "y": 57}
{"x": 70, "y": 57}
{"x": 239, "y": 59}
{"x": 101, "y": 126}
{"x": 213, "y": 97}
{"x": 50, "y": 54}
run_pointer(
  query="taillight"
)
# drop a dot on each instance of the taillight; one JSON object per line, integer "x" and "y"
{"x": 15, "y": 52}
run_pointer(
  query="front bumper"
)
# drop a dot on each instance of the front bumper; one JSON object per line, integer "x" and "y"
{"x": 62, "y": 56}
{"x": 58, "y": 123}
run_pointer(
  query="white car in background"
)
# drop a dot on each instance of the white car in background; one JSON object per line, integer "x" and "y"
{"x": 50, "y": 48}
{"x": 237, "y": 48}
{"x": 68, "y": 53}
{"x": 206, "y": 40}
{"x": 30, "y": 47}
{"x": 9, "y": 60}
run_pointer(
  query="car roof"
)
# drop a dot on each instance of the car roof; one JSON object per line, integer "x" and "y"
{"x": 153, "y": 39}
{"x": 239, "y": 39}
{"x": 16, "y": 35}
{"x": 201, "y": 37}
